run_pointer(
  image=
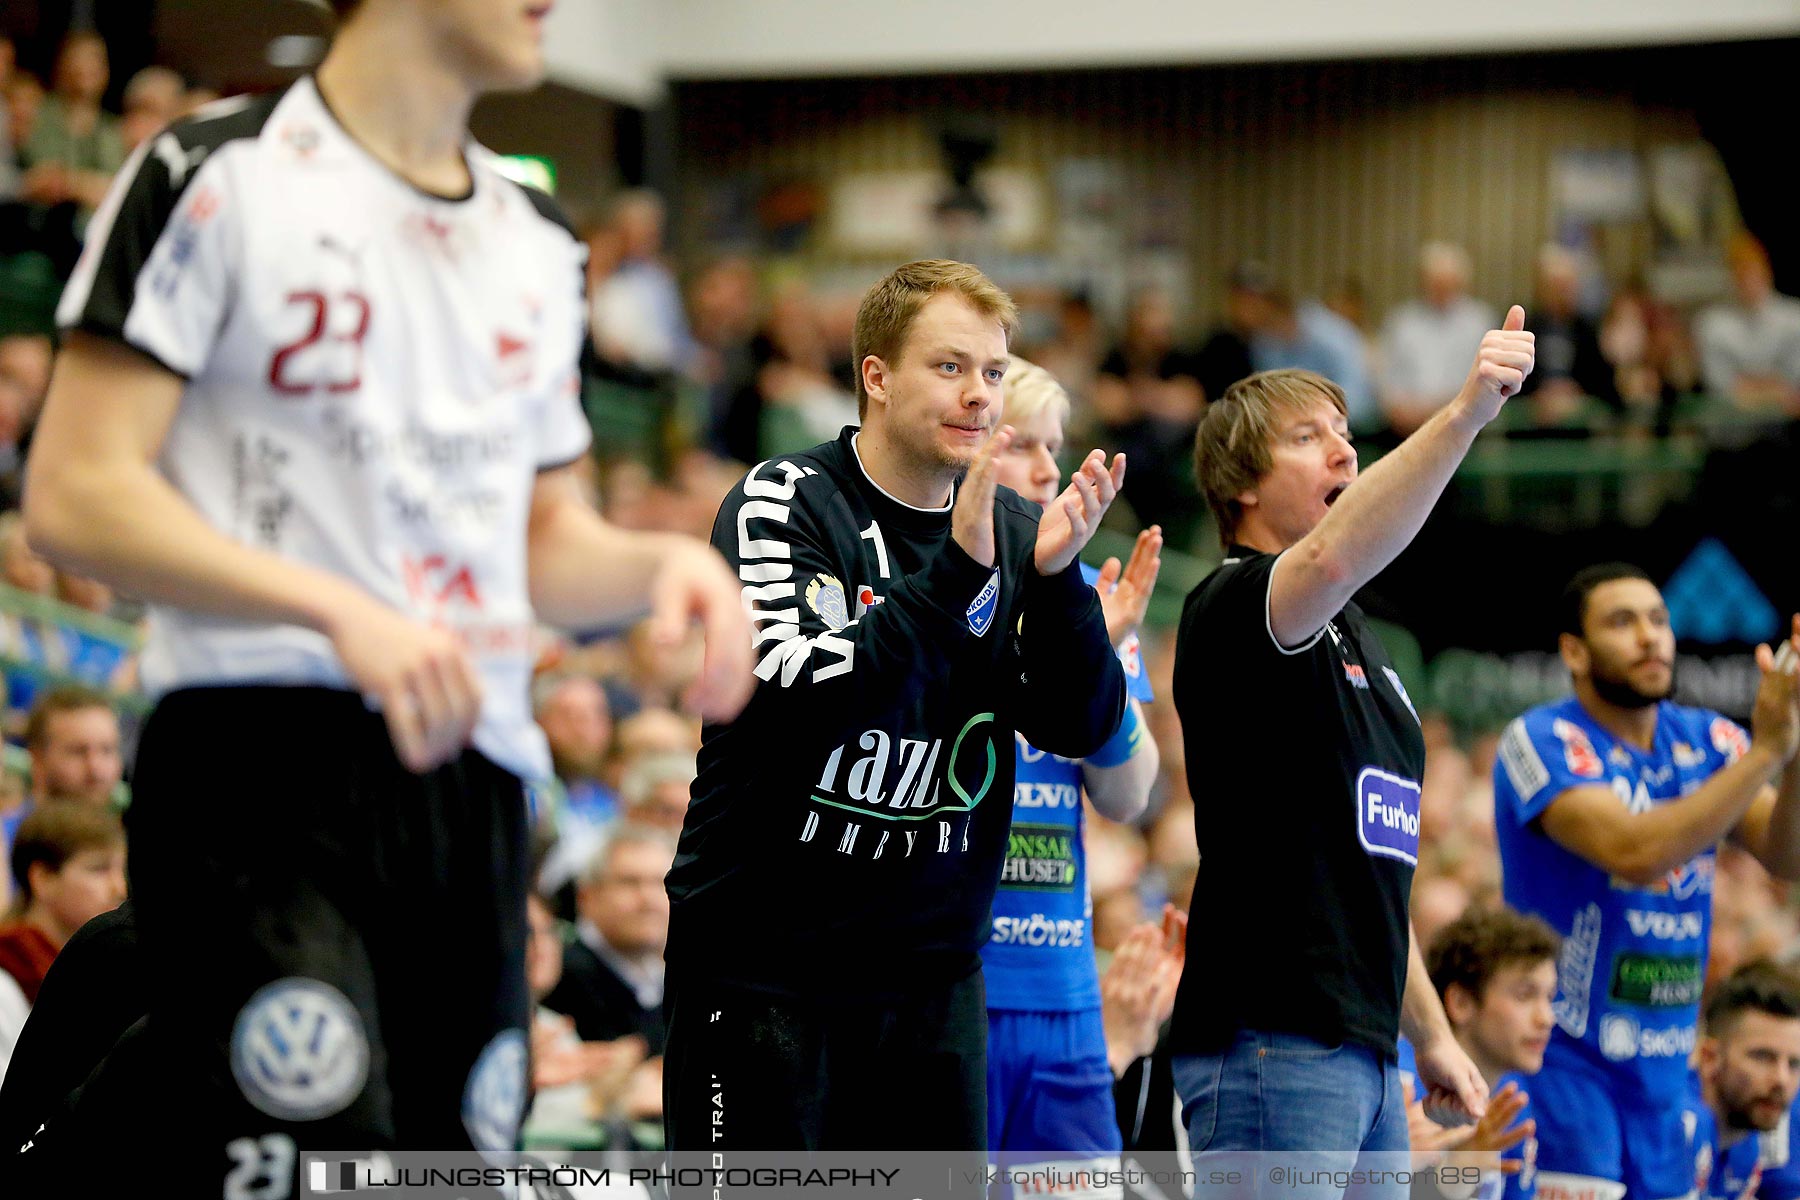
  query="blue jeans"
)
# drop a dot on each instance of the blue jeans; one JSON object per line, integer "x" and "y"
{"x": 1330, "y": 1110}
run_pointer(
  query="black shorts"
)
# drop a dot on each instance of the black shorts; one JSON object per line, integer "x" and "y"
{"x": 336, "y": 947}
{"x": 750, "y": 1071}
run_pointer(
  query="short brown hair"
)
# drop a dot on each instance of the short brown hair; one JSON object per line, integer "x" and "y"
{"x": 1476, "y": 946}
{"x": 1760, "y": 986}
{"x": 1232, "y": 447}
{"x": 887, "y": 312}
{"x": 68, "y": 697}
{"x": 56, "y": 831}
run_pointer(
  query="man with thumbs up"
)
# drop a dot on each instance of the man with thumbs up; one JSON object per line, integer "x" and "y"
{"x": 1305, "y": 770}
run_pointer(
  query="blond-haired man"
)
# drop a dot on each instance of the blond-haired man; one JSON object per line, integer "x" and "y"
{"x": 1304, "y": 759}
{"x": 836, "y": 868}
{"x": 1050, "y": 1082}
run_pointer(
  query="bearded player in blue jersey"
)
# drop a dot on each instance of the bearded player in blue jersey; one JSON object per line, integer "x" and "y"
{"x": 1049, "y": 1080}
{"x": 1609, "y": 807}
{"x": 1744, "y": 1089}
{"x": 1783, "y": 1182}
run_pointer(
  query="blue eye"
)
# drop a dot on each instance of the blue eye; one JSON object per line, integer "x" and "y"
{"x": 996, "y": 374}
{"x": 950, "y": 367}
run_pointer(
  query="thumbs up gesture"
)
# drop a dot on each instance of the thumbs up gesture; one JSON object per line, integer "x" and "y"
{"x": 1501, "y": 365}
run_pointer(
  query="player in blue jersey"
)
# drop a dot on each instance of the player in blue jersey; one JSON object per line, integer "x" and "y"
{"x": 1495, "y": 972}
{"x": 1748, "y": 1077}
{"x": 1782, "y": 1182}
{"x": 1049, "y": 1080}
{"x": 1609, "y": 805}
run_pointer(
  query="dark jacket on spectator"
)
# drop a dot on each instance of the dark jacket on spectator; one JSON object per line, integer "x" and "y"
{"x": 604, "y": 1006}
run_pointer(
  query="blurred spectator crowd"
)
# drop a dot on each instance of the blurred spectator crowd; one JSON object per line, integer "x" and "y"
{"x": 696, "y": 369}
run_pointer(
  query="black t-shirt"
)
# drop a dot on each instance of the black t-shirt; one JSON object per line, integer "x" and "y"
{"x": 847, "y": 830}
{"x": 1304, "y": 765}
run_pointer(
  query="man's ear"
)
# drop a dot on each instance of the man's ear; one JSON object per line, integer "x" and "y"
{"x": 875, "y": 378}
{"x": 1459, "y": 1004}
{"x": 1574, "y": 653}
{"x": 1708, "y": 1064}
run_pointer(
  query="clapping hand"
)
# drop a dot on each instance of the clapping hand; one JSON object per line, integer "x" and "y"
{"x": 1072, "y": 517}
{"x": 1125, "y": 593}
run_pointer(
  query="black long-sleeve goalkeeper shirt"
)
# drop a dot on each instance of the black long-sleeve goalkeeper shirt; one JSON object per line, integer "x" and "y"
{"x": 847, "y": 830}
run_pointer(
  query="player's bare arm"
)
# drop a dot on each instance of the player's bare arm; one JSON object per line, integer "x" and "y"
{"x": 1380, "y": 514}
{"x": 1642, "y": 847}
{"x": 98, "y": 505}
{"x": 585, "y": 572}
{"x": 1122, "y": 792}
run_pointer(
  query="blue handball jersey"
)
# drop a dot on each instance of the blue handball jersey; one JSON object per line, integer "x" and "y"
{"x": 1040, "y": 955}
{"x": 1781, "y": 1158}
{"x": 1633, "y": 958}
{"x": 1512, "y": 1185}
{"x": 1753, "y": 1167}
{"x": 1520, "y": 1184}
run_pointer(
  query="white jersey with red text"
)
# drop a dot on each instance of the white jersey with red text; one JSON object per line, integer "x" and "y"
{"x": 374, "y": 377}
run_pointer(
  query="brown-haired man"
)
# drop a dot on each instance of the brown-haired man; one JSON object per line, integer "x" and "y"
{"x": 1495, "y": 971}
{"x": 836, "y": 869}
{"x": 1305, "y": 757}
{"x": 72, "y": 735}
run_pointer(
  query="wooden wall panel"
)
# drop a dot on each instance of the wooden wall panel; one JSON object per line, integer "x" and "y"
{"x": 1321, "y": 171}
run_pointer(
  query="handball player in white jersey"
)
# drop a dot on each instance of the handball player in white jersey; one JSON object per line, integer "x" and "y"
{"x": 318, "y": 404}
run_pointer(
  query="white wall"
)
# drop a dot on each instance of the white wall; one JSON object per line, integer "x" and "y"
{"x": 610, "y": 47}
{"x": 625, "y": 49}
